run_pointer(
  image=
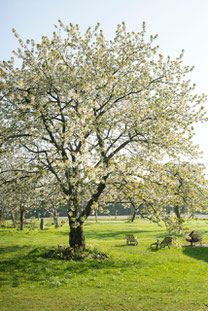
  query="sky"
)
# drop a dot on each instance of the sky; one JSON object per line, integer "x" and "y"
{"x": 180, "y": 24}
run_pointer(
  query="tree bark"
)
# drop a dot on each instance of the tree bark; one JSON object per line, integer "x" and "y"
{"x": 55, "y": 218}
{"x": 42, "y": 224}
{"x": 13, "y": 219}
{"x": 76, "y": 238}
{"x": 177, "y": 212}
{"x": 22, "y": 216}
{"x": 1, "y": 217}
{"x": 133, "y": 216}
{"x": 76, "y": 235}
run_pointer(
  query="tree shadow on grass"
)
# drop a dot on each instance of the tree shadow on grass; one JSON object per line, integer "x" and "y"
{"x": 154, "y": 250}
{"x": 123, "y": 245}
{"x": 108, "y": 235}
{"x": 30, "y": 266}
{"x": 200, "y": 253}
{"x": 14, "y": 266}
{"x": 8, "y": 249}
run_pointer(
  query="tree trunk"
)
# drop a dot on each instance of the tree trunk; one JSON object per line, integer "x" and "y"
{"x": 177, "y": 212}
{"x": 1, "y": 217}
{"x": 42, "y": 224}
{"x": 13, "y": 219}
{"x": 133, "y": 216}
{"x": 116, "y": 213}
{"x": 76, "y": 235}
{"x": 22, "y": 215}
{"x": 76, "y": 238}
{"x": 55, "y": 218}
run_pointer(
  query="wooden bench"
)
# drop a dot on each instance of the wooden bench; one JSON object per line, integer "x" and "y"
{"x": 165, "y": 242}
{"x": 194, "y": 237}
{"x": 131, "y": 239}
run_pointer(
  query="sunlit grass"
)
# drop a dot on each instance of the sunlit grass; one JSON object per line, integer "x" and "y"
{"x": 133, "y": 278}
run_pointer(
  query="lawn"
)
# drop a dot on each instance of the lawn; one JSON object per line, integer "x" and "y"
{"x": 133, "y": 278}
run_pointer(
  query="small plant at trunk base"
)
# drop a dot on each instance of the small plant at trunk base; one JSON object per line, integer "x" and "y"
{"x": 70, "y": 253}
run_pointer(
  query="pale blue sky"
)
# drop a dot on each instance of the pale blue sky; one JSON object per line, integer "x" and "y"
{"x": 180, "y": 24}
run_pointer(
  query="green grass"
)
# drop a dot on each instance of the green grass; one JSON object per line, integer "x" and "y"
{"x": 133, "y": 278}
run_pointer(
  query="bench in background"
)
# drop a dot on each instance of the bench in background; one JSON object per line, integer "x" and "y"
{"x": 131, "y": 239}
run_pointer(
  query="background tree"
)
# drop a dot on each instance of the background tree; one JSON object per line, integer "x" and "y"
{"x": 7, "y": 205}
{"x": 187, "y": 187}
{"x": 144, "y": 189}
{"x": 3, "y": 207}
{"x": 20, "y": 189}
{"x": 83, "y": 109}
{"x": 171, "y": 192}
{"x": 51, "y": 198}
